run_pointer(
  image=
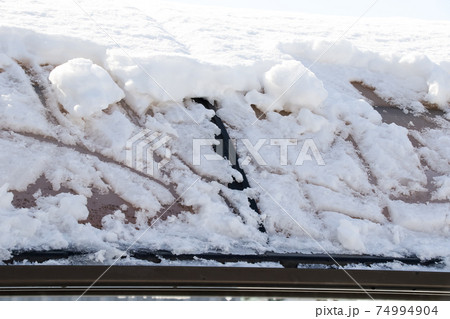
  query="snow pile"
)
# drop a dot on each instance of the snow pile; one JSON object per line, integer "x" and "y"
{"x": 420, "y": 77}
{"x": 288, "y": 86}
{"x": 84, "y": 88}
{"x": 25, "y": 45}
{"x": 160, "y": 79}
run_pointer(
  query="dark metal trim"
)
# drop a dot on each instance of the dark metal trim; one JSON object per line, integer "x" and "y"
{"x": 223, "y": 281}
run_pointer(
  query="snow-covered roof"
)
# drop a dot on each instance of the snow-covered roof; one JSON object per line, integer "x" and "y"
{"x": 103, "y": 146}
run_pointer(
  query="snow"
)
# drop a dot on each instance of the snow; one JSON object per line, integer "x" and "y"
{"x": 280, "y": 94}
{"x": 421, "y": 77}
{"x": 443, "y": 190}
{"x": 349, "y": 236}
{"x": 84, "y": 88}
{"x": 421, "y": 217}
{"x": 26, "y": 45}
{"x": 69, "y": 104}
{"x": 20, "y": 107}
{"x": 5, "y": 197}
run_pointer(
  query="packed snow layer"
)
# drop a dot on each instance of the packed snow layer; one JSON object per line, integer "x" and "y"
{"x": 327, "y": 171}
{"x": 84, "y": 88}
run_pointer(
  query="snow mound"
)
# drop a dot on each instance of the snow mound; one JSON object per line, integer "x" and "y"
{"x": 84, "y": 88}
{"x": 289, "y": 86}
{"x": 172, "y": 78}
{"x": 427, "y": 80}
{"x": 23, "y": 44}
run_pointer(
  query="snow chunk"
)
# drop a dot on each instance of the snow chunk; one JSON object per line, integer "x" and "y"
{"x": 84, "y": 88}
{"x": 5, "y": 197}
{"x": 289, "y": 86}
{"x": 311, "y": 122}
{"x": 349, "y": 236}
{"x": 443, "y": 187}
{"x": 325, "y": 199}
{"x": 438, "y": 89}
{"x": 110, "y": 131}
{"x": 428, "y": 218}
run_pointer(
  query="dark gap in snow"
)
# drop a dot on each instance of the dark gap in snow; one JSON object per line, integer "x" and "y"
{"x": 25, "y": 199}
{"x": 132, "y": 116}
{"x": 37, "y": 82}
{"x": 430, "y": 106}
{"x": 386, "y": 213}
{"x": 392, "y": 114}
{"x": 416, "y": 144}
{"x": 99, "y": 204}
{"x": 409, "y": 121}
{"x": 102, "y": 204}
{"x": 61, "y": 109}
{"x": 259, "y": 114}
{"x": 228, "y": 151}
{"x": 174, "y": 209}
{"x": 369, "y": 93}
{"x": 371, "y": 177}
{"x": 426, "y": 196}
{"x": 38, "y": 87}
{"x": 284, "y": 113}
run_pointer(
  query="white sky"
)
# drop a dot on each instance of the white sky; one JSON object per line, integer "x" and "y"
{"x": 422, "y": 9}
